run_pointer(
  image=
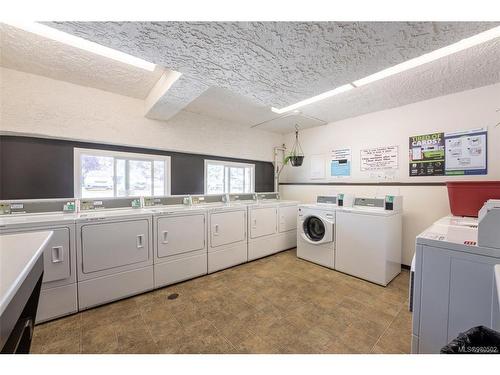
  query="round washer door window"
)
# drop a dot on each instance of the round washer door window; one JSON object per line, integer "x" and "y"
{"x": 314, "y": 228}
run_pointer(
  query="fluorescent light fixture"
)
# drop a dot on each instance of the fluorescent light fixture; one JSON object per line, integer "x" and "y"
{"x": 314, "y": 99}
{"x": 410, "y": 64}
{"x": 86, "y": 45}
{"x": 431, "y": 56}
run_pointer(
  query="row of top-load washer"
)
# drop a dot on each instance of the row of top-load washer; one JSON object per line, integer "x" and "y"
{"x": 106, "y": 249}
{"x": 358, "y": 236}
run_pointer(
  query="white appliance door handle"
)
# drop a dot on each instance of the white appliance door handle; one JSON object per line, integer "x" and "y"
{"x": 140, "y": 241}
{"x": 57, "y": 254}
{"x": 254, "y": 223}
{"x": 164, "y": 236}
{"x": 216, "y": 233}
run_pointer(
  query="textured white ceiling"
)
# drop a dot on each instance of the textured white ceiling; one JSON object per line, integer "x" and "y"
{"x": 475, "y": 67}
{"x": 236, "y": 71}
{"x": 27, "y": 52}
{"x": 287, "y": 122}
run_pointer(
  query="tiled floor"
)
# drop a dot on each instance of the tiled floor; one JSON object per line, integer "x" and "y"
{"x": 279, "y": 304}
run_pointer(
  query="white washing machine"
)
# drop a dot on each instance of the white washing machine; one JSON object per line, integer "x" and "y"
{"x": 58, "y": 296}
{"x": 454, "y": 285}
{"x": 180, "y": 239}
{"x": 114, "y": 250}
{"x": 316, "y": 231}
{"x": 227, "y": 231}
{"x": 369, "y": 239}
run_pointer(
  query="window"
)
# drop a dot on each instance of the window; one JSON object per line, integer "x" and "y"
{"x": 228, "y": 177}
{"x": 100, "y": 174}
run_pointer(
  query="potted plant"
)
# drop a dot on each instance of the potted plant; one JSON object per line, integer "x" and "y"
{"x": 296, "y": 156}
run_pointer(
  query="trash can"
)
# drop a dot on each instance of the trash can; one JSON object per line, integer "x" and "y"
{"x": 477, "y": 340}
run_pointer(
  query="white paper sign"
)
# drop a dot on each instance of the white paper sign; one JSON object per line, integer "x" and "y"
{"x": 317, "y": 170}
{"x": 372, "y": 159}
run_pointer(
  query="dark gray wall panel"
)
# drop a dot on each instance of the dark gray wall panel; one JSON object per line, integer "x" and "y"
{"x": 32, "y": 168}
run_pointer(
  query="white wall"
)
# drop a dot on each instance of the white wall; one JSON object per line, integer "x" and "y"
{"x": 38, "y": 105}
{"x": 422, "y": 204}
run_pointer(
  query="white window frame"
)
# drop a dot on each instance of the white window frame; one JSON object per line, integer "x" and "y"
{"x": 77, "y": 152}
{"x": 230, "y": 164}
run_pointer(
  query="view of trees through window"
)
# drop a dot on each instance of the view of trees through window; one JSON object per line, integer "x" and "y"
{"x": 110, "y": 176}
{"x": 229, "y": 178}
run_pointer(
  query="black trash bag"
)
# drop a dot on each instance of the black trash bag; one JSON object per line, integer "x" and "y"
{"x": 477, "y": 340}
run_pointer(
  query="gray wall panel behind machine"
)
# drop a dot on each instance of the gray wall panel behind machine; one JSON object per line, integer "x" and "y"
{"x": 37, "y": 168}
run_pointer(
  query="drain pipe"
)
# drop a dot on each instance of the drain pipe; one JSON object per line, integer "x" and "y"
{"x": 278, "y": 165}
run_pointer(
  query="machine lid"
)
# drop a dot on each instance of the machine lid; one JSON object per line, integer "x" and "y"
{"x": 24, "y": 220}
{"x": 455, "y": 238}
{"x": 314, "y": 228}
{"x": 92, "y": 215}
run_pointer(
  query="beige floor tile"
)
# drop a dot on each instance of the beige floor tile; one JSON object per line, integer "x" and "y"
{"x": 197, "y": 338}
{"x": 59, "y": 329}
{"x": 69, "y": 345}
{"x": 102, "y": 339}
{"x": 277, "y": 304}
{"x": 254, "y": 344}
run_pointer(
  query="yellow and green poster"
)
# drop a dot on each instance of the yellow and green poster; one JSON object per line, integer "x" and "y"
{"x": 427, "y": 153}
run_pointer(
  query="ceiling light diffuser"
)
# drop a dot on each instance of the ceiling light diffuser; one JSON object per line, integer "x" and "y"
{"x": 314, "y": 99}
{"x": 86, "y": 45}
{"x": 431, "y": 56}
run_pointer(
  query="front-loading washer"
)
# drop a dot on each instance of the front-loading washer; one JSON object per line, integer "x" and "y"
{"x": 114, "y": 250}
{"x": 58, "y": 295}
{"x": 179, "y": 239}
{"x": 316, "y": 231}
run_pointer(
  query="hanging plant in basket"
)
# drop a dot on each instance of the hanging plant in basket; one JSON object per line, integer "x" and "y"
{"x": 296, "y": 156}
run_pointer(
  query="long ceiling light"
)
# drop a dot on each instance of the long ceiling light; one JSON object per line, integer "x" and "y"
{"x": 409, "y": 64}
{"x": 86, "y": 45}
{"x": 432, "y": 56}
{"x": 314, "y": 99}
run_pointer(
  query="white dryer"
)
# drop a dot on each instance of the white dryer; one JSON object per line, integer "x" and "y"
{"x": 316, "y": 231}
{"x": 227, "y": 231}
{"x": 369, "y": 239}
{"x": 180, "y": 239}
{"x": 286, "y": 236}
{"x": 114, "y": 250}
{"x": 58, "y": 296}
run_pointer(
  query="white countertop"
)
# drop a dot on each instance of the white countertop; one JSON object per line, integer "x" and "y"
{"x": 18, "y": 255}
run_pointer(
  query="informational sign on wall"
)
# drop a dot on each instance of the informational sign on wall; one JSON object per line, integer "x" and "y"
{"x": 466, "y": 152}
{"x": 372, "y": 159}
{"x": 317, "y": 170}
{"x": 340, "y": 163}
{"x": 427, "y": 156}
